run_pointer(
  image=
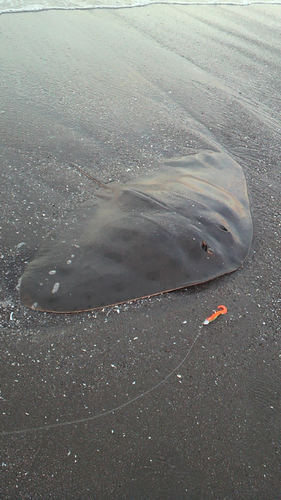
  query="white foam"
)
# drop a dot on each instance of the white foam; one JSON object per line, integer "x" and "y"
{"x": 14, "y": 6}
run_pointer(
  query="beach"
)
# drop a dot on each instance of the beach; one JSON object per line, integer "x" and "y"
{"x": 140, "y": 401}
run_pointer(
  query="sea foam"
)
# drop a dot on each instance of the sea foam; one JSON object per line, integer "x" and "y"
{"x": 13, "y": 6}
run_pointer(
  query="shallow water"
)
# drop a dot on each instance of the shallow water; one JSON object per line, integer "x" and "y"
{"x": 9, "y": 6}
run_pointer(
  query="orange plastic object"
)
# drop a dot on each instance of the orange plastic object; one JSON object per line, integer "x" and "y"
{"x": 220, "y": 310}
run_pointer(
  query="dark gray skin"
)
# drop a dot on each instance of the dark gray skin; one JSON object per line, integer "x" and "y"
{"x": 185, "y": 225}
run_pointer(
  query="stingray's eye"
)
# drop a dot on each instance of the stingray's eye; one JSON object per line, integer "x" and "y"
{"x": 222, "y": 228}
{"x": 206, "y": 248}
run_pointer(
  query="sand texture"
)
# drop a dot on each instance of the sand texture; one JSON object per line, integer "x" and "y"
{"x": 196, "y": 411}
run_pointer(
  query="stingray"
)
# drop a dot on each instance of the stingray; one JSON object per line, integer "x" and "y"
{"x": 184, "y": 225}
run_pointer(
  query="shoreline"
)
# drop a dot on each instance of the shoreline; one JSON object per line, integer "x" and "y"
{"x": 138, "y": 5}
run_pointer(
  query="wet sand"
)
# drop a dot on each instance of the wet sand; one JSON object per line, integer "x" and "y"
{"x": 117, "y": 92}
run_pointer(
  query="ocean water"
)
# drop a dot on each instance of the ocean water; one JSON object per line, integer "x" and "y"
{"x": 10, "y": 6}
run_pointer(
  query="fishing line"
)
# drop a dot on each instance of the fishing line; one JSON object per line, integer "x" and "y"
{"x": 113, "y": 410}
{"x": 220, "y": 310}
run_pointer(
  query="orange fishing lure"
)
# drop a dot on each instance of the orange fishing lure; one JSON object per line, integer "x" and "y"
{"x": 220, "y": 310}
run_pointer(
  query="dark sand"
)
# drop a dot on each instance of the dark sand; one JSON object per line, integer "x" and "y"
{"x": 117, "y": 92}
